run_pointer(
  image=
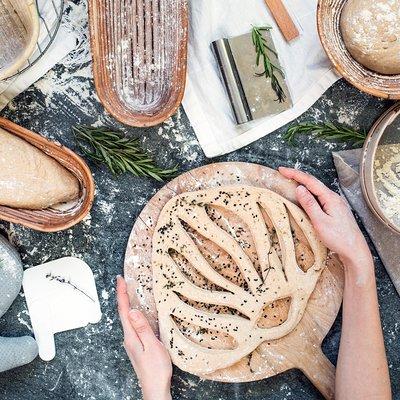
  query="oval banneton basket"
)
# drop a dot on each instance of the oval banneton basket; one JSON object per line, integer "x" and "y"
{"x": 328, "y": 21}
{"x": 19, "y": 32}
{"x": 301, "y": 348}
{"x": 52, "y": 220}
{"x": 139, "y": 51}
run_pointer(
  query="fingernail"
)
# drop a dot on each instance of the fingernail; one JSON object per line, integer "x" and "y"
{"x": 301, "y": 189}
{"x": 134, "y": 314}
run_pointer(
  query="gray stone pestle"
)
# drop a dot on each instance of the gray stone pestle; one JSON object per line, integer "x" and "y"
{"x": 14, "y": 351}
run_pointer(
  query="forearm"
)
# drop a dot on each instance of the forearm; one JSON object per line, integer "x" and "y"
{"x": 157, "y": 395}
{"x": 156, "y": 389}
{"x": 362, "y": 371}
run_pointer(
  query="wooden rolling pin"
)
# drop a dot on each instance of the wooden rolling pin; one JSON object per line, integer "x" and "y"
{"x": 283, "y": 19}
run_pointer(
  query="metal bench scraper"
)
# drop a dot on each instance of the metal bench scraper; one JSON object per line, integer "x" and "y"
{"x": 251, "y": 95}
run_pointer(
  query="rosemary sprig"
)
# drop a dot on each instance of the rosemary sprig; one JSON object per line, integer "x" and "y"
{"x": 270, "y": 69}
{"x": 121, "y": 154}
{"x": 68, "y": 282}
{"x": 326, "y": 130}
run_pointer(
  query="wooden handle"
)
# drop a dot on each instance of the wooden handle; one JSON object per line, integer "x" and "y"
{"x": 321, "y": 372}
{"x": 283, "y": 19}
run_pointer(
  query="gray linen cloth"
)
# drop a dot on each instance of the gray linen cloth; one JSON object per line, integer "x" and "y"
{"x": 387, "y": 242}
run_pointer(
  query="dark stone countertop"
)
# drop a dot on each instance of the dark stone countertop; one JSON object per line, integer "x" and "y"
{"x": 91, "y": 362}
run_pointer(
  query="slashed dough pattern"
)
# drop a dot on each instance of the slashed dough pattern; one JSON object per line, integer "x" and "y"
{"x": 211, "y": 305}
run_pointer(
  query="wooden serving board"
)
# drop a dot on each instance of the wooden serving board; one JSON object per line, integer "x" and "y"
{"x": 302, "y": 347}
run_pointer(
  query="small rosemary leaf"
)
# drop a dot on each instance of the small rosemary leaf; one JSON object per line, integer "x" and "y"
{"x": 93, "y": 156}
{"x": 271, "y": 50}
{"x": 146, "y": 161}
{"x": 130, "y": 169}
{"x": 139, "y": 169}
{"x": 104, "y": 154}
{"x": 268, "y": 69}
{"x": 334, "y": 136}
{"x": 120, "y": 165}
{"x": 258, "y": 60}
{"x": 277, "y": 69}
{"x": 155, "y": 176}
{"x": 330, "y": 125}
{"x": 113, "y": 166}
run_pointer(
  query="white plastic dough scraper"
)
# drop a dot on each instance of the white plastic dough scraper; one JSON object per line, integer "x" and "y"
{"x": 61, "y": 295}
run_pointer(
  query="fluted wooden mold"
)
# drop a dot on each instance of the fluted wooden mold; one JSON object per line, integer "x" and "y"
{"x": 52, "y": 220}
{"x": 139, "y": 57}
{"x": 19, "y": 31}
{"x": 328, "y": 21}
{"x": 300, "y": 347}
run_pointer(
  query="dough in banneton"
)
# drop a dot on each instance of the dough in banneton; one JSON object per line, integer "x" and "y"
{"x": 371, "y": 33}
{"x": 198, "y": 292}
{"x": 31, "y": 179}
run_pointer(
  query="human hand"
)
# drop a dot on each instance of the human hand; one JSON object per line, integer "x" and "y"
{"x": 332, "y": 220}
{"x": 149, "y": 358}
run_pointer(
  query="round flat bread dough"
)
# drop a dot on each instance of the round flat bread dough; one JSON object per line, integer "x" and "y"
{"x": 371, "y": 33}
{"x": 221, "y": 257}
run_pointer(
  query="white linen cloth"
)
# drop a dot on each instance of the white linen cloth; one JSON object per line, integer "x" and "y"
{"x": 63, "y": 44}
{"x": 308, "y": 71}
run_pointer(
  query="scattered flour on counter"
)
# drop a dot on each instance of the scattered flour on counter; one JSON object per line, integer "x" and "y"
{"x": 87, "y": 220}
{"x": 105, "y": 295}
{"x": 180, "y": 138}
{"x": 22, "y": 316}
{"x": 347, "y": 117}
{"x": 106, "y": 208}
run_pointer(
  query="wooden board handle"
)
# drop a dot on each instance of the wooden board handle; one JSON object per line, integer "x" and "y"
{"x": 283, "y": 19}
{"x": 321, "y": 373}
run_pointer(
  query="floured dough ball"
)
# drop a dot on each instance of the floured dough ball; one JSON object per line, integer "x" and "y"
{"x": 371, "y": 33}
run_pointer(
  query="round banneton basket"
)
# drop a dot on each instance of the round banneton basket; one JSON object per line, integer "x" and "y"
{"x": 328, "y": 20}
{"x": 40, "y": 20}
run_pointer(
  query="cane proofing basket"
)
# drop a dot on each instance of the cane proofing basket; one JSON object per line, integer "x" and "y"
{"x": 139, "y": 57}
{"x": 51, "y": 219}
